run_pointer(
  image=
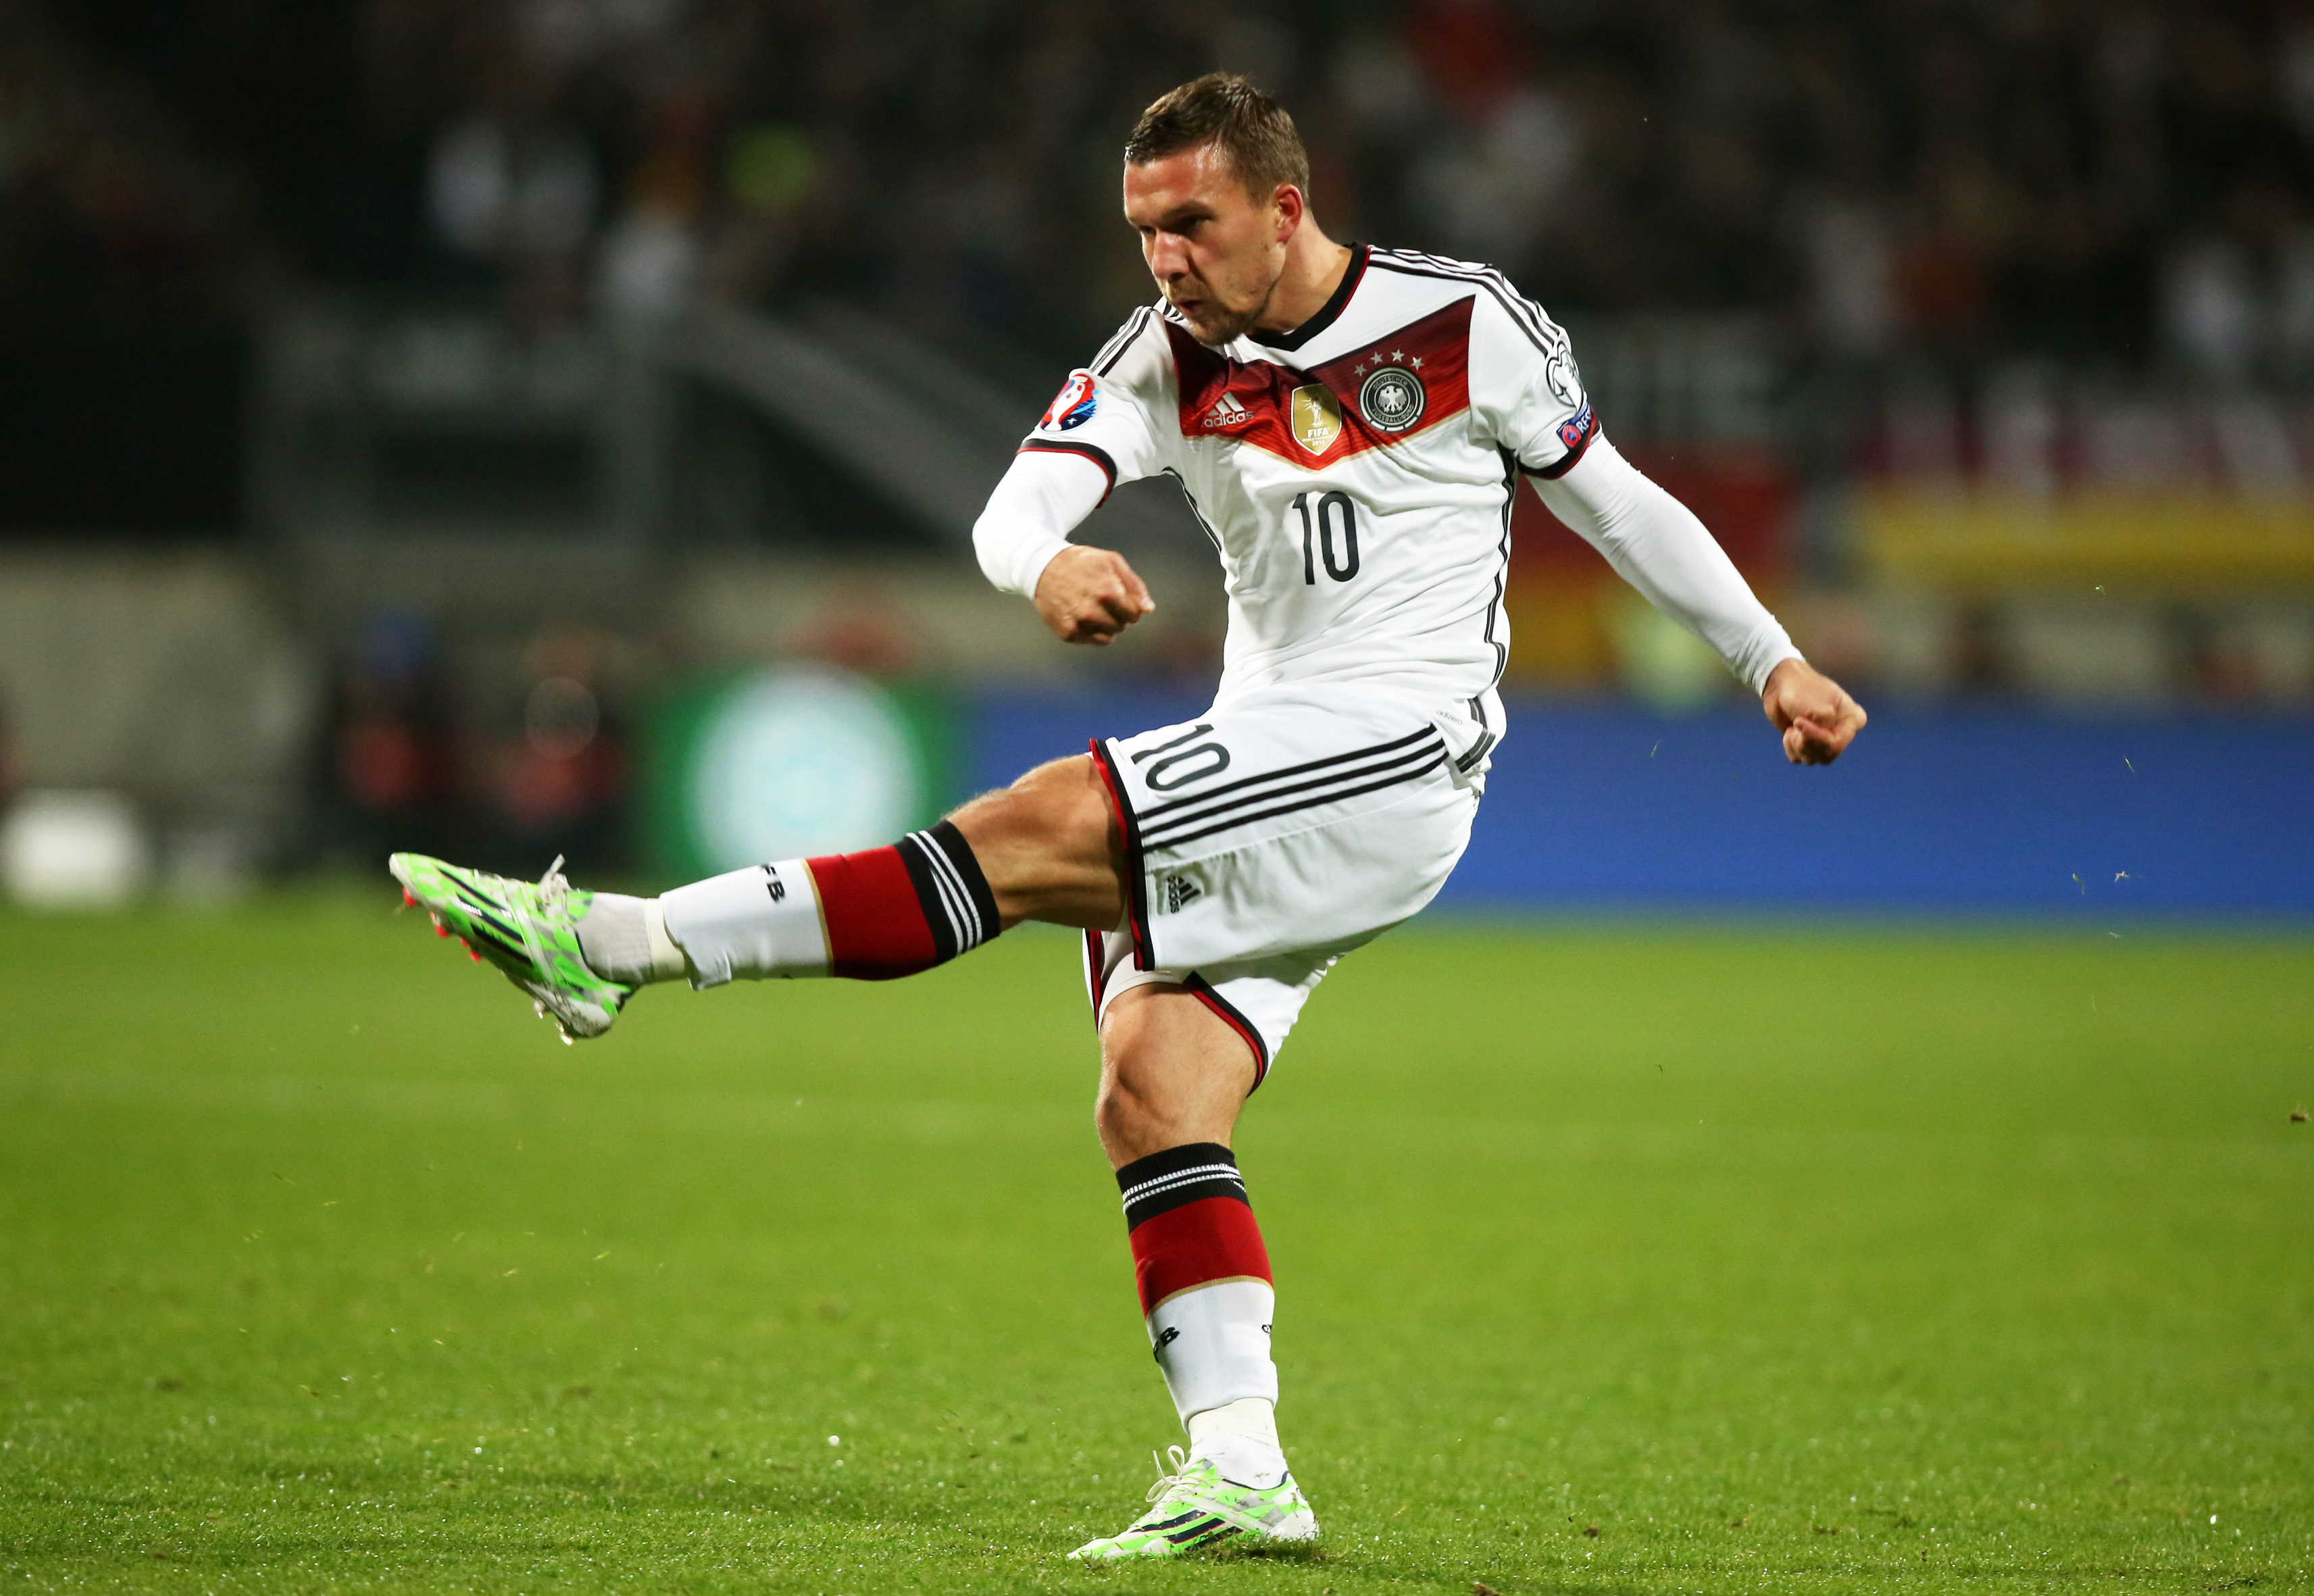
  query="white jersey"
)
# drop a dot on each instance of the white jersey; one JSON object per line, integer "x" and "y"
{"x": 1355, "y": 475}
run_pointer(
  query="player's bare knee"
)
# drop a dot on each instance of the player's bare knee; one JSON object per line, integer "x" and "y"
{"x": 1169, "y": 1075}
{"x": 1135, "y": 1117}
{"x": 1045, "y": 843}
{"x": 1119, "y": 1114}
{"x": 1056, "y": 808}
{"x": 1133, "y": 1102}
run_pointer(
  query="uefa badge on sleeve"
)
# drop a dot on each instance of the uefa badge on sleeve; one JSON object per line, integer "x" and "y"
{"x": 1391, "y": 400}
{"x": 1073, "y": 406}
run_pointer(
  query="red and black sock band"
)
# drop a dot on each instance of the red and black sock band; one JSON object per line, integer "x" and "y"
{"x": 958, "y": 903}
{"x": 1177, "y": 1177}
{"x": 892, "y": 911}
{"x": 1191, "y": 1221}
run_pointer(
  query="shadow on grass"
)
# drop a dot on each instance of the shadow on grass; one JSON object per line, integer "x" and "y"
{"x": 1291, "y": 1551}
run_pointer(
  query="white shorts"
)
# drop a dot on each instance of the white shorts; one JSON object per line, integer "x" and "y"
{"x": 1269, "y": 837}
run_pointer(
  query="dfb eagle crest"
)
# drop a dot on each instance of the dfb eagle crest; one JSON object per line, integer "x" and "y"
{"x": 1391, "y": 400}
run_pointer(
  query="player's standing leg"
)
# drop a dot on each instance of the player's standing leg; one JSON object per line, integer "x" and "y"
{"x": 1173, "y": 1076}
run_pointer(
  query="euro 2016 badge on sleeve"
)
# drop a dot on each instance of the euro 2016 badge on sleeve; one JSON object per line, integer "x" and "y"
{"x": 1391, "y": 399}
{"x": 1073, "y": 406}
{"x": 1317, "y": 417}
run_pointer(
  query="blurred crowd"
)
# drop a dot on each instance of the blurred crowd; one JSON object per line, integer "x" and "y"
{"x": 406, "y": 762}
{"x": 1943, "y": 179}
{"x": 110, "y": 219}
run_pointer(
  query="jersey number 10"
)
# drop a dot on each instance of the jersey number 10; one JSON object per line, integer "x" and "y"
{"x": 1319, "y": 532}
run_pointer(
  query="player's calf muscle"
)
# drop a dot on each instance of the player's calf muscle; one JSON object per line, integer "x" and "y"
{"x": 1049, "y": 846}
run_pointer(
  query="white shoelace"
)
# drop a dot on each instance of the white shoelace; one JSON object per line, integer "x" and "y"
{"x": 554, "y": 887}
{"x": 1166, "y": 1482}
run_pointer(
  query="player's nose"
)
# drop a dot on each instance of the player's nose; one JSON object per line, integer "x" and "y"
{"x": 1169, "y": 259}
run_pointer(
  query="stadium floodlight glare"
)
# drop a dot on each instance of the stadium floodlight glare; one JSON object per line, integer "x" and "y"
{"x": 74, "y": 850}
{"x": 802, "y": 760}
{"x": 793, "y": 760}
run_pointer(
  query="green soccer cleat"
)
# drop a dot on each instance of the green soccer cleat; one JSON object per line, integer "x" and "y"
{"x": 529, "y": 932}
{"x": 1196, "y": 1510}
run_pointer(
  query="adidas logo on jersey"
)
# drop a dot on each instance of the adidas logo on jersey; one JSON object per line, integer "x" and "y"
{"x": 1228, "y": 412}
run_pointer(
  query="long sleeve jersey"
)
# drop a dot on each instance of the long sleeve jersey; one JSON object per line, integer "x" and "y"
{"x": 1356, "y": 477}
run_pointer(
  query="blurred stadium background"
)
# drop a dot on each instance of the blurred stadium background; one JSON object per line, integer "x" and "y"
{"x": 494, "y": 428}
{"x": 504, "y": 427}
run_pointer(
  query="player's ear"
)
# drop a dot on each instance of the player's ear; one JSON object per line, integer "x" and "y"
{"x": 1288, "y": 208}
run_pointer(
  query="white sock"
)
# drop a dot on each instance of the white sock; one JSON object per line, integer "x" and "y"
{"x": 1213, "y": 1344}
{"x": 1240, "y": 1438}
{"x": 624, "y": 939}
{"x": 761, "y": 922}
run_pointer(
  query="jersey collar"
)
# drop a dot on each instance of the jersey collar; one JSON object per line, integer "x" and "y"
{"x": 1328, "y": 313}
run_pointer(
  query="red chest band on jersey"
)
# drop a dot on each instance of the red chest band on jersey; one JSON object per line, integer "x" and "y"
{"x": 1394, "y": 388}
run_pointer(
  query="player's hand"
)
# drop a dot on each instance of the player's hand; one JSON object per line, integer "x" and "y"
{"x": 1090, "y": 595}
{"x": 1815, "y": 713}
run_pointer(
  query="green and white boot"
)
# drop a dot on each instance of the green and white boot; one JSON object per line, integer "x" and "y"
{"x": 531, "y": 933}
{"x": 1196, "y": 1508}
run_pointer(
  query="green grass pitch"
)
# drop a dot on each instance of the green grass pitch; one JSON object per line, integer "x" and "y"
{"x": 1616, "y": 1258}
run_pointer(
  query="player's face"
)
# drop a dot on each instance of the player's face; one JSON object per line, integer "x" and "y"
{"x": 1215, "y": 252}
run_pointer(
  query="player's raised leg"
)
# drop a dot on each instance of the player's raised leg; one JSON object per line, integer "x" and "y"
{"x": 1044, "y": 849}
{"x": 1173, "y": 1076}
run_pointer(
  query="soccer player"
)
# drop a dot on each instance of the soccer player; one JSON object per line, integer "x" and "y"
{"x": 1350, "y": 426}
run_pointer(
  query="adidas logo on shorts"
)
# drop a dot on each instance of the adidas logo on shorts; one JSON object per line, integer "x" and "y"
{"x": 1181, "y": 890}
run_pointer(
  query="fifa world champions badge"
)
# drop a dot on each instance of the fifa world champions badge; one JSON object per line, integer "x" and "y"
{"x": 1317, "y": 417}
{"x": 1073, "y": 406}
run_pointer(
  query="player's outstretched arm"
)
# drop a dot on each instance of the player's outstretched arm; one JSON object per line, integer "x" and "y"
{"x": 1815, "y": 713}
{"x": 1090, "y": 595}
{"x": 1657, "y": 544}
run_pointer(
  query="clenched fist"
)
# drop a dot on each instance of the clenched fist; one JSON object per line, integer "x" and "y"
{"x": 1815, "y": 713}
{"x": 1090, "y": 595}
